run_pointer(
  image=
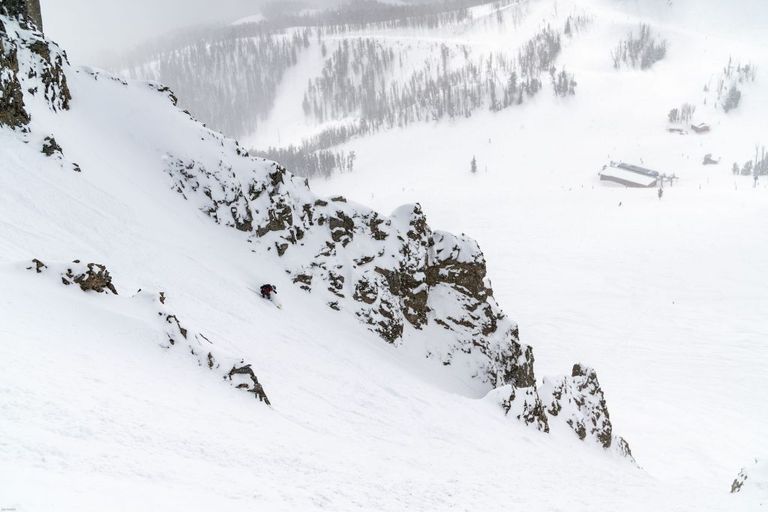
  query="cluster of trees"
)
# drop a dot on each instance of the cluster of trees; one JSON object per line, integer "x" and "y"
{"x": 727, "y": 89}
{"x": 563, "y": 83}
{"x": 314, "y": 156}
{"x": 229, "y": 83}
{"x": 360, "y": 80}
{"x": 682, "y": 115}
{"x": 308, "y": 161}
{"x": 639, "y": 51}
{"x": 575, "y": 24}
{"x": 756, "y": 167}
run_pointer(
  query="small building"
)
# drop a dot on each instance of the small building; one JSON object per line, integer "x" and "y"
{"x": 700, "y": 128}
{"x": 630, "y": 175}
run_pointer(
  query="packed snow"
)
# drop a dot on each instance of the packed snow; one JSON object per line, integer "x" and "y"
{"x": 664, "y": 298}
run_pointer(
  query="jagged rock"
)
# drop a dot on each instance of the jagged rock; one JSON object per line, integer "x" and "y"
{"x": 342, "y": 228}
{"x": 400, "y": 272}
{"x": 25, "y": 10}
{"x": 28, "y": 63}
{"x": 304, "y": 281}
{"x": 739, "y": 481}
{"x": 253, "y": 386}
{"x": 241, "y": 374}
{"x": 172, "y": 319}
{"x": 579, "y": 402}
{"x": 49, "y": 69}
{"x": 51, "y": 147}
{"x": 224, "y": 204}
{"x": 90, "y": 276}
{"x": 753, "y": 479}
{"x": 95, "y": 278}
{"x": 393, "y": 273}
{"x": 12, "y": 109}
{"x": 38, "y": 265}
{"x": 336, "y": 282}
{"x": 524, "y": 404}
{"x": 164, "y": 90}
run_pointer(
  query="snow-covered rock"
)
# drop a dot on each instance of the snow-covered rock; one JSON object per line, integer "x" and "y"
{"x": 416, "y": 287}
{"x": 395, "y": 273}
{"x": 753, "y": 480}
{"x": 579, "y": 402}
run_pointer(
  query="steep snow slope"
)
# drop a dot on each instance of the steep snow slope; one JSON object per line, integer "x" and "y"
{"x": 100, "y": 411}
{"x": 665, "y": 298}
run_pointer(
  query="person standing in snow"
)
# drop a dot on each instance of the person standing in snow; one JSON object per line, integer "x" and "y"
{"x": 267, "y": 290}
{"x": 661, "y": 192}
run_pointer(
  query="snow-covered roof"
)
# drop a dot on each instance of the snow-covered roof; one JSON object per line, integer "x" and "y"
{"x": 637, "y": 169}
{"x": 627, "y": 177}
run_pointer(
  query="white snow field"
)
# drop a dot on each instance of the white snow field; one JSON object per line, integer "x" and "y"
{"x": 665, "y": 298}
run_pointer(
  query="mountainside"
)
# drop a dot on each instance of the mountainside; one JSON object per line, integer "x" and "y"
{"x": 134, "y": 241}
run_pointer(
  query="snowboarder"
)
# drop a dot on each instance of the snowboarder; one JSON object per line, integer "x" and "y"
{"x": 661, "y": 192}
{"x": 267, "y": 290}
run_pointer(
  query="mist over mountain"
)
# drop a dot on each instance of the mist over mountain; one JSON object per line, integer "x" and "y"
{"x": 458, "y": 255}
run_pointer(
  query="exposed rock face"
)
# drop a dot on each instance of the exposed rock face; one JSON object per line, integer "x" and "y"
{"x": 579, "y": 402}
{"x": 398, "y": 276}
{"x": 739, "y": 481}
{"x": 89, "y": 276}
{"x": 395, "y": 274}
{"x": 49, "y": 69}
{"x": 34, "y": 12}
{"x": 25, "y": 10}
{"x": 251, "y": 383}
{"x": 12, "y": 110}
{"x": 753, "y": 480}
{"x": 240, "y": 374}
{"x": 96, "y": 278}
{"x": 29, "y": 64}
{"x": 407, "y": 282}
{"x": 51, "y": 147}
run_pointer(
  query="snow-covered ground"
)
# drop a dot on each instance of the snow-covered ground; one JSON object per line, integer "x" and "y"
{"x": 665, "y": 298}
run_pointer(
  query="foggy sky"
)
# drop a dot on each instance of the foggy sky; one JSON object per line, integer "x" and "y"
{"x": 92, "y": 31}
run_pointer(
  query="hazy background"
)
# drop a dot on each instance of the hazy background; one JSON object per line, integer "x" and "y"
{"x": 94, "y": 31}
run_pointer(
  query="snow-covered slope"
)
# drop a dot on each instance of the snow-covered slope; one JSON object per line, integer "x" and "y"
{"x": 125, "y": 400}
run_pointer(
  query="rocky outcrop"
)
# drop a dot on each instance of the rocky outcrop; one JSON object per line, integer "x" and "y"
{"x": 29, "y": 64}
{"x": 92, "y": 277}
{"x": 248, "y": 381}
{"x": 51, "y": 147}
{"x": 578, "y": 401}
{"x": 406, "y": 282}
{"x": 739, "y": 481}
{"x": 753, "y": 480}
{"x": 395, "y": 273}
{"x": 399, "y": 277}
{"x": 233, "y": 370}
{"x": 12, "y": 110}
{"x": 88, "y": 276}
{"x": 27, "y": 11}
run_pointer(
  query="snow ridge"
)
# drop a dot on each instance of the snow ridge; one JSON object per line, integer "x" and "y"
{"x": 413, "y": 286}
